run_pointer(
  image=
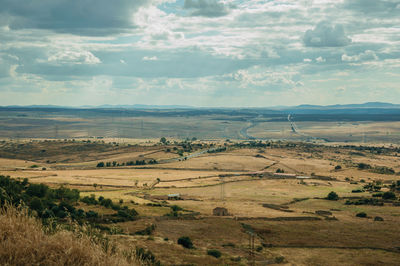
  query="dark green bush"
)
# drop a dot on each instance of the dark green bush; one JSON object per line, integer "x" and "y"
{"x": 185, "y": 241}
{"x": 176, "y": 208}
{"x": 213, "y": 252}
{"x": 389, "y": 195}
{"x": 361, "y": 215}
{"x": 332, "y": 196}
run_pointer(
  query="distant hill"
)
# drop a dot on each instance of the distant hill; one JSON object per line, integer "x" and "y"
{"x": 341, "y": 106}
{"x": 303, "y": 107}
{"x": 143, "y": 106}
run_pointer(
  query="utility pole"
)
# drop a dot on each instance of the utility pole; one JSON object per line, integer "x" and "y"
{"x": 251, "y": 248}
{"x": 222, "y": 189}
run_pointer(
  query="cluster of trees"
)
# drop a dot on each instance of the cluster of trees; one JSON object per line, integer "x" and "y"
{"x": 221, "y": 149}
{"x": 130, "y": 163}
{"x": 141, "y": 162}
{"x": 376, "y": 169}
{"x": 57, "y": 203}
{"x": 373, "y": 150}
{"x": 47, "y": 202}
{"x": 124, "y": 213}
{"x": 373, "y": 186}
{"x": 395, "y": 186}
{"x": 365, "y": 201}
{"x": 253, "y": 144}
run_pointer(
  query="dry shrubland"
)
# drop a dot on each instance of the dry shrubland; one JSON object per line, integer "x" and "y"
{"x": 23, "y": 241}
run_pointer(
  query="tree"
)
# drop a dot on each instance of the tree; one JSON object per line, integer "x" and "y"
{"x": 36, "y": 204}
{"x": 163, "y": 140}
{"x": 100, "y": 164}
{"x": 389, "y": 195}
{"x": 38, "y": 190}
{"x": 332, "y": 196}
{"x": 185, "y": 241}
{"x": 338, "y": 167}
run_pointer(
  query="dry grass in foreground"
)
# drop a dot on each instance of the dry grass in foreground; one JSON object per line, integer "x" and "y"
{"x": 24, "y": 242}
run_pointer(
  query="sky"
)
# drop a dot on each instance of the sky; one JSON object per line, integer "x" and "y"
{"x": 208, "y": 53}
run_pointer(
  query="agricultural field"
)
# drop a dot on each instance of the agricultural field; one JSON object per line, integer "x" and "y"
{"x": 280, "y": 202}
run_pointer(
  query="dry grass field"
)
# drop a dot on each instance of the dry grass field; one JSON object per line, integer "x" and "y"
{"x": 375, "y": 132}
{"x": 292, "y": 221}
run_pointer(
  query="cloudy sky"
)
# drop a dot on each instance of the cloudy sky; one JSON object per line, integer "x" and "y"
{"x": 199, "y": 52}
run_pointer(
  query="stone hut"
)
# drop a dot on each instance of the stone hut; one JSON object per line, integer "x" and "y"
{"x": 220, "y": 211}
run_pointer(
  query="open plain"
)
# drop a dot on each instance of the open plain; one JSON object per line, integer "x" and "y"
{"x": 275, "y": 192}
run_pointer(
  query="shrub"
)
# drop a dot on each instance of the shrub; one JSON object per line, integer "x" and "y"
{"x": 363, "y": 166}
{"x": 332, "y": 196}
{"x": 389, "y": 195}
{"x": 279, "y": 259}
{"x": 146, "y": 256}
{"x": 361, "y": 215}
{"x": 378, "y": 219}
{"x": 36, "y": 204}
{"x": 38, "y": 190}
{"x": 147, "y": 231}
{"x": 185, "y": 241}
{"x": 176, "y": 208}
{"x": 92, "y": 214}
{"x": 236, "y": 259}
{"x": 100, "y": 164}
{"x": 128, "y": 214}
{"x": 90, "y": 200}
{"x": 214, "y": 253}
{"x": 338, "y": 167}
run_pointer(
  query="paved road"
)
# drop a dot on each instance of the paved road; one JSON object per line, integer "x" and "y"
{"x": 295, "y": 129}
{"x": 252, "y": 123}
{"x": 243, "y": 131}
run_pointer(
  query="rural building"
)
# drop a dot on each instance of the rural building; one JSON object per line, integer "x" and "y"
{"x": 219, "y": 211}
{"x": 174, "y": 196}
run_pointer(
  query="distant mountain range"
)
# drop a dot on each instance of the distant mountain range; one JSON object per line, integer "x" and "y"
{"x": 368, "y": 105}
{"x": 345, "y": 106}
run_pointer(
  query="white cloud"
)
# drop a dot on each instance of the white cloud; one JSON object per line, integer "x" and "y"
{"x": 365, "y": 56}
{"x": 320, "y": 59}
{"x": 73, "y": 57}
{"x": 150, "y": 58}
